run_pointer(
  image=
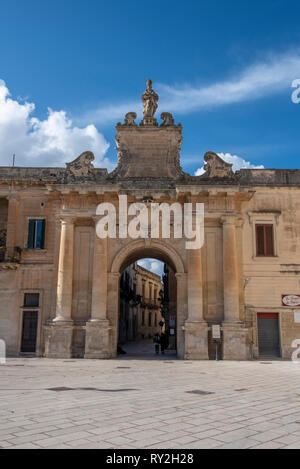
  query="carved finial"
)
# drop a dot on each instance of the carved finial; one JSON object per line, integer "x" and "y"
{"x": 129, "y": 119}
{"x": 150, "y": 100}
{"x": 167, "y": 119}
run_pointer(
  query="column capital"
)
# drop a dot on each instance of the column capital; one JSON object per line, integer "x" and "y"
{"x": 181, "y": 275}
{"x": 13, "y": 196}
{"x": 114, "y": 275}
{"x": 66, "y": 219}
{"x": 228, "y": 219}
{"x": 96, "y": 218}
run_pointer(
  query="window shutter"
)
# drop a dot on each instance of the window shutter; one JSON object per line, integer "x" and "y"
{"x": 31, "y": 230}
{"x": 40, "y": 234}
{"x": 43, "y": 233}
{"x": 260, "y": 244}
{"x": 269, "y": 240}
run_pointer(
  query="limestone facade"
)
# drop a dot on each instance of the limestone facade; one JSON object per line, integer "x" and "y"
{"x": 59, "y": 282}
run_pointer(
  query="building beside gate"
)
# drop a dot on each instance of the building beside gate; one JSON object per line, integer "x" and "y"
{"x": 60, "y": 283}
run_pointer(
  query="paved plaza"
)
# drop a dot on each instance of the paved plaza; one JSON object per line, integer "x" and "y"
{"x": 149, "y": 402}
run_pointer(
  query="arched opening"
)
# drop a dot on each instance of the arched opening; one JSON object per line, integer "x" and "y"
{"x": 147, "y": 309}
{"x": 145, "y": 304}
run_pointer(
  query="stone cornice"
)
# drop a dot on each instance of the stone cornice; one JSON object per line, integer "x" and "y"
{"x": 9, "y": 266}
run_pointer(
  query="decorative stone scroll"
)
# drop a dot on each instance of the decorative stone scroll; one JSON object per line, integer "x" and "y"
{"x": 215, "y": 167}
{"x": 82, "y": 167}
{"x": 124, "y": 159}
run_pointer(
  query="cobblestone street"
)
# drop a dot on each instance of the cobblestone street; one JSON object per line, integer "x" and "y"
{"x": 135, "y": 403}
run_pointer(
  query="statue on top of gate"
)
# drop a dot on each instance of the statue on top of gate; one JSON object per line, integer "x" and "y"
{"x": 150, "y": 100}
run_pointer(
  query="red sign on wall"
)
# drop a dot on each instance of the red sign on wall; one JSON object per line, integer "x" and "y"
{"x": 290, "y": 300}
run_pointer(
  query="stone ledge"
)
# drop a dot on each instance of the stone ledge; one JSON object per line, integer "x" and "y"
{"x": 9, "y": 266}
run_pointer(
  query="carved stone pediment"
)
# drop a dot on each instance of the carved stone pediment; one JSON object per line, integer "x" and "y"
{"x": 81, "y": 167}
{"x": 215, "y": 167}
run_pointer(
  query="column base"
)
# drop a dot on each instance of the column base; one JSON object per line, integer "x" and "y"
{"x": 236, "y": 342}
{"x": 58, "y": 339}
{"x": 97, "y": 340}
{"x": 196, "y": 340}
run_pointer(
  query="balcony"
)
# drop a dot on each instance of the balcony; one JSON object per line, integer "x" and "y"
{"x": 9, "y": 262}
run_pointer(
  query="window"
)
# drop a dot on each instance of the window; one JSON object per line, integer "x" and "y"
{"x": 264, "y": 240}
{"x": 264, "y": 225}
{"x": 32, "y": 299}
{"x": 150, "y": 319}
{"x": 155, "y": 319}
{"x": 143, "y": 318}
{"x": 36, "y": 234}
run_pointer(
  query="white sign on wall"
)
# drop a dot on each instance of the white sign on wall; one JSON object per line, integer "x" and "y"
{"x": 297, "y": 316}
{"x": 216, "y": 332}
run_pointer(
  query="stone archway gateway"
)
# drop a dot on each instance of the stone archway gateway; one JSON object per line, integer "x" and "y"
{"x": 209, "y": 288}
{"x": 131, "y": 253}
{"x": 61, "y": 280}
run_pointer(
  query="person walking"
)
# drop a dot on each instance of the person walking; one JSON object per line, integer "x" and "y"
{"x": 163, "y": 342}
{"x": 156, "y": 340}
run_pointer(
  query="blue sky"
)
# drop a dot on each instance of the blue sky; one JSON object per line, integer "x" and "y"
{"x": 70, "y": 69}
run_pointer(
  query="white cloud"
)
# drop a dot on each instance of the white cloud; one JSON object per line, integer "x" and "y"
{"x": 50, "y": 142}
{"x": 155, "y": 266}
{"x": 260, "y": 79}
{"x": 236, "y": 161}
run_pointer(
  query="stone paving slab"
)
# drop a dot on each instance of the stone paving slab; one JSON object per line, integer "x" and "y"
{"x": 149, "y": 404}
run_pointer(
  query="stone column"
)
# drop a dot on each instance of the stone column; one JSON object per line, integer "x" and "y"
{"x": 230, "y": 270}
{"x": 97, "y": 339}
{"x": 99, "y": 291}
{"x": 196, "y": 329}
{"x": 181, "y": 313}
{"x": 113, "y": 283}
{"x": 236, "y": 343}
{"x": 58, "y": 334}
{"x": 195, "y": 285}
{"x": 65, "y": 272}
